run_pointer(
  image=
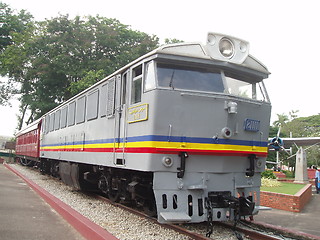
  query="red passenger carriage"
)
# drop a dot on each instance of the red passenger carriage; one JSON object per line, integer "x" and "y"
{"x": 28, "y": 142}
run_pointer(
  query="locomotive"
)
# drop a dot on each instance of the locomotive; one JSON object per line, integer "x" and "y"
{"x": 182, "y": 132}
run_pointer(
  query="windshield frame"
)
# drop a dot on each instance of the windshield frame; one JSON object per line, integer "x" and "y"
{"x": 255, "y": 87}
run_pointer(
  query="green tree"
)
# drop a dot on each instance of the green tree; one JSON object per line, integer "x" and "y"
{"x": 11, "y": 22}
{"x": 57, "y": 58}
{"x": 12, "y": 25}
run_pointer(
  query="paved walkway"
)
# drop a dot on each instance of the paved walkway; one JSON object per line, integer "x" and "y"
{"x": 24, "y": 215}
{"x": 307, "y": 221}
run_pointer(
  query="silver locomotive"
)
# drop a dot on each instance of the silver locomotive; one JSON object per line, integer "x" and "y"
{"x": 182, "y": 131}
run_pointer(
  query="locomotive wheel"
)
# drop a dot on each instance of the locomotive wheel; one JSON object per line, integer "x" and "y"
{"x": 103, "y": 185}
{"x": 114, "y": 190}
{"x": 149, "y": 207}
{"x": 114, "y": 196}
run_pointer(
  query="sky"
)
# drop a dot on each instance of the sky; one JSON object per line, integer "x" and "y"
{"x": 284, "y": 35}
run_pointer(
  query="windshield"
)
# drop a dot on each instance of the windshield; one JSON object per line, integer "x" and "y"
{"x": 189, "y": 78}
{"x": 246, "y": 90}
{"x": 198, "y": 79}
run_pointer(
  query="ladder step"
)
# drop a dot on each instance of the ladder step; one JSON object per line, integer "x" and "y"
{"x": 175, "y": 216}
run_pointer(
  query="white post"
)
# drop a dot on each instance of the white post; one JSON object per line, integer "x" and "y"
{"x": 301, "y": 175}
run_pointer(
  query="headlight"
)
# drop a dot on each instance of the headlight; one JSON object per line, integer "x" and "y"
{"x": 226, "y": 48}
{"x": 226, "y": 132}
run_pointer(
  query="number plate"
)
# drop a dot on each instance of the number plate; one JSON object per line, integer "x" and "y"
{"x": 251, "y": 125}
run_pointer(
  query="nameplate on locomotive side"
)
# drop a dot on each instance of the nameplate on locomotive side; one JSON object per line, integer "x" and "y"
{"x": 138, "y": 113}
{"x": 251, "y": 125}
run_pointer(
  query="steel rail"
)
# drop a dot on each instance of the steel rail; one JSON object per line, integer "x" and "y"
{"x": 252, "y": 234}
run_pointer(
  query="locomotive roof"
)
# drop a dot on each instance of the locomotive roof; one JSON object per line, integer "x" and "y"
{"x": 198, "y": 50}
{"x": 188, "y": 52}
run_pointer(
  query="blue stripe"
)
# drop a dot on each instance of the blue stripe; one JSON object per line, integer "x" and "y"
{"x": 159, "y": 138}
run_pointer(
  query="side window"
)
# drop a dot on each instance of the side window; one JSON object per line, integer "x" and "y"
{"x": 71, "y": 113}
{"x": 150, "y": 79}
{"x": 64, "y": 112}
{"x": 136, "y": 85}
{"x": 111, "y": 97}
{"x": 93, "y": 104}
{"x": 57, "y": 120}
{"x": 51, "y": 122}
{"x": 47, "y": 124}
{"x": 124, "y": 89}
{"x": 43, "y": 127}
{"x": 81, "y": 110}
{"x": 103, "y": 101}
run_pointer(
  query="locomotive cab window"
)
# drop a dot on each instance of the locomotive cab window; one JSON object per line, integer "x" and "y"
{"x": 189, "y": 78}
{"x": 150, "y": 80}
{"x": 136, "y": 85}
{"x": 255, "y": 91}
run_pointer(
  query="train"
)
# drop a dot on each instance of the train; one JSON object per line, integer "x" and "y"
{"x": 181, "y": 132}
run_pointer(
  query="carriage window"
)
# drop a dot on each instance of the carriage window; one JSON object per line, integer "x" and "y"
{"x": 136, "y": 85}
{"x": 189, "y": 78}
{"x": 71, "y": 113}
{"x": 93, "y": 100}
{"x": 81, "y": 110}
{"x": 64, "y": 117}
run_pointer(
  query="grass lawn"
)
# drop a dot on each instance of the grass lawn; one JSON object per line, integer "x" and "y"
{"x": 285, "y": 187}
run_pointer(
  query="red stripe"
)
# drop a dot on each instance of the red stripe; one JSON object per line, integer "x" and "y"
{"x": 163, "y": 151}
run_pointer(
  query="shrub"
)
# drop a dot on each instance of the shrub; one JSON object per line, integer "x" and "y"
{"x": 268, "y": 182}
{"x": 288, "y": 174}
{"x": 268, "y": 174}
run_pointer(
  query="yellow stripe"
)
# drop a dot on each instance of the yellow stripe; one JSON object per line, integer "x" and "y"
{"x": 166, "y": 145}
{"x": 195, "y": 146}
{"x": 98, "y": 145}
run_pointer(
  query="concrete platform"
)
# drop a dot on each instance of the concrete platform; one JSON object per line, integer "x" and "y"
{"x": 29, "y": 212}
{"x": 306, "y": 223}
{"x": 25, "y": 215}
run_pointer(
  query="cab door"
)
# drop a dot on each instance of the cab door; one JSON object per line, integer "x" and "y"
{"x": 120, "y": 118}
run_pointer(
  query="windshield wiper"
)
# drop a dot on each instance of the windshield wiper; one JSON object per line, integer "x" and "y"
{"x": 171, "y": 80}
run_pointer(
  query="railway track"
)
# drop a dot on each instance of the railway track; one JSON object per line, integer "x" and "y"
{"x": 239, "y": 231}
{"x": 191, "y": 231}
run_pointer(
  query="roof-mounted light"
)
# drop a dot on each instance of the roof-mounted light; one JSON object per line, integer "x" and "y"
{"x": 227, "y": 48}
